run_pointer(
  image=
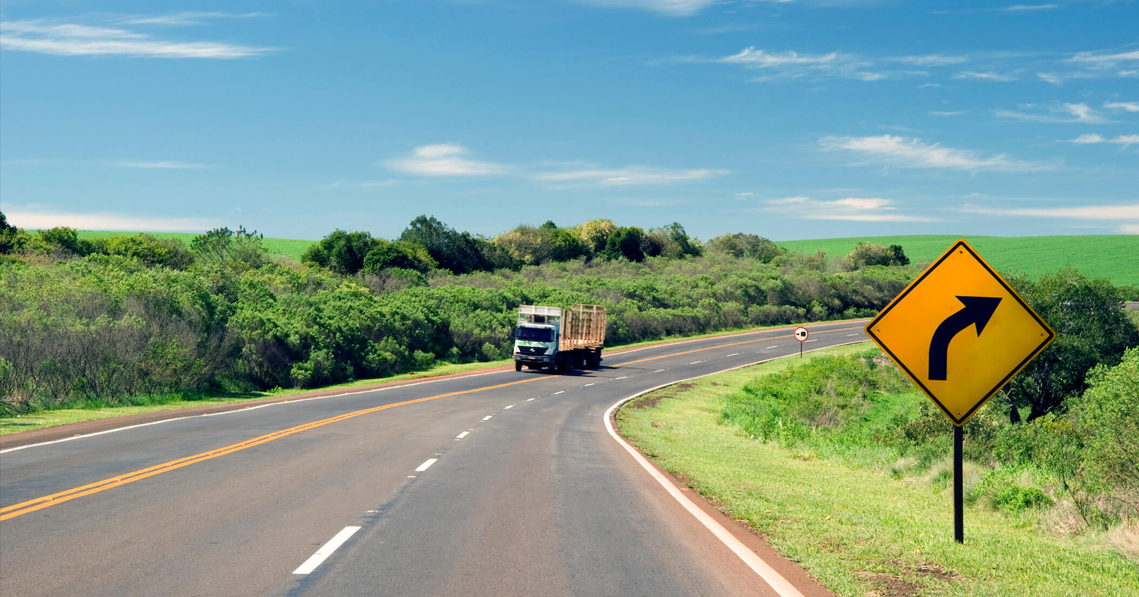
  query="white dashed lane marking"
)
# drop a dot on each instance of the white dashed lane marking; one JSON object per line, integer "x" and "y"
{"x": 508, "y": 407}
{"x": 487, "y": 418}
{"x": 326, "y": 550}
{"x": 426, "y": 465}
{"x": 462, "y": 435}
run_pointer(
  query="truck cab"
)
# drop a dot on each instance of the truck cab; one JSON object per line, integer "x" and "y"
{"x": 535, "y": 345}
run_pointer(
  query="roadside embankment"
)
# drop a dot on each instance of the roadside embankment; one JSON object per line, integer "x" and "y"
{"x": 820, "y": 479}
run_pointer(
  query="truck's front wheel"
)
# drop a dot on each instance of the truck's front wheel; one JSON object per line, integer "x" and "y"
{"x": 517, "y": 365}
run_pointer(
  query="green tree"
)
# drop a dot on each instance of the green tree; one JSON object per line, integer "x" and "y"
{"x": 1091, "y": 329}
{"x": 398, "y": 254}
{"x": 625, "y": 243}
{"x": 222, "y": 245}
{"x": 340, "y": 251}
{"x": 745, "y": 245}
{"x": 866, "y": 254}
{"x": 12, "y": 239}
{"x": 452, "y": 250}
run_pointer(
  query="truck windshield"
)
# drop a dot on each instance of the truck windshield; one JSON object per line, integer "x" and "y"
{"x": 535, "y": 334}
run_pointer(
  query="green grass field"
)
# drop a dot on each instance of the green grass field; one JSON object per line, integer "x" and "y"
{"x": 288, "y": 247}
{"x": 1107, "y": 256}
{"x": 858, "y": 530}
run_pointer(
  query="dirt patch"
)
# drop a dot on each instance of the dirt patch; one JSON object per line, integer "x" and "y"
{"x": 890, "y": 586}
{"x": 933, "y": 572}
{"x": 654, "y": 399}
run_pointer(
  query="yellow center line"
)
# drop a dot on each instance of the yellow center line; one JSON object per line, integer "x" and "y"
{"x": 119, "y": 480}
{"x": 46, "y": 501}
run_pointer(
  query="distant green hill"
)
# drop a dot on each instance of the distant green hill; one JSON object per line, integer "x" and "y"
{"x": 278, "y": 246}
{"x": 1108, "y": 256}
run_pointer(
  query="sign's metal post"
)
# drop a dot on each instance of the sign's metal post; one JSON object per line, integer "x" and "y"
{"x": 958, "y": 499}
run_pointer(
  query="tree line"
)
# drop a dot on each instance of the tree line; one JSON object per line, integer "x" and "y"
{"x": 104, "y": 321}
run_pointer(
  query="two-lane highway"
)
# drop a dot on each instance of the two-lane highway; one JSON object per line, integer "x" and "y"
{"x": 499, "y": 484}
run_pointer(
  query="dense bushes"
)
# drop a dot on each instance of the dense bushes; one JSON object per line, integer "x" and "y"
{"x": 1091, "y": 329}
{"x": 108, "y": 327}
{"x": 860, "y": 408}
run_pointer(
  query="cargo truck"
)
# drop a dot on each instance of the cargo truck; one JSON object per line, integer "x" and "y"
{"x": 559, "y": 339}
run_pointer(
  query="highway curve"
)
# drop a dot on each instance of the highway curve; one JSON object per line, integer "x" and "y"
{"x": 498, "y": 484}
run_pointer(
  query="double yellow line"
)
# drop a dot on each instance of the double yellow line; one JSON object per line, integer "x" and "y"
{"x": 46, "y": 501}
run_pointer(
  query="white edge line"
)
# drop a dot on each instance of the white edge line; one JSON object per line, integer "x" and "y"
{"x": 390, "y": 387}
{"x": 326, "y": 550}
{"x": 426, "y": 465}
{"x": 769, "y": 575}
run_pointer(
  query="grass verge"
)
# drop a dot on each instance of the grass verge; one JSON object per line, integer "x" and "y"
{"x": 857, "y": 530}
{"x": 76, "y": 414}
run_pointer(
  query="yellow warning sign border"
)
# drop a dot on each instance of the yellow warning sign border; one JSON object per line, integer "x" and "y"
{"x": 961, "y": 243}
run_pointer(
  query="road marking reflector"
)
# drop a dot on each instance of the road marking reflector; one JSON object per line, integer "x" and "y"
{"x": 326, "y": 550}
{"x": 426, "y": 465}
{"x": 462, "y": 435}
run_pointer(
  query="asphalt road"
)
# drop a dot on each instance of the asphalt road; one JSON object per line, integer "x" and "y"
{"x": 499, "y": 484}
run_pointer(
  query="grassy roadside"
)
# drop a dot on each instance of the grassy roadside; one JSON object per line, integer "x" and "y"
{"x": 857, "y": 530}
{"x": 63, "y": 416}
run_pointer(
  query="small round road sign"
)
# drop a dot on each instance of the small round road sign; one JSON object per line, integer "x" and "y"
{"x": 801, "y": 334}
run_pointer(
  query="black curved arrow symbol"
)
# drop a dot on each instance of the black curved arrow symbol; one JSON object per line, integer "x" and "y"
{"x": 978, "y": 310}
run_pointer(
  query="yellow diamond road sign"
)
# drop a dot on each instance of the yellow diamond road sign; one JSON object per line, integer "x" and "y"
{"x": 960, "y": 332}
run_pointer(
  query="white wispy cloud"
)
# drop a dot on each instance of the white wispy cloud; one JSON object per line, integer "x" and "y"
{"x": 1125, "y": 106}
{"x": 445, "y": 159}
{"x": 38, "y": 219}
{"x": 1124, "y": 217}
{"x": 161, "y": 165}
{"x": 357, "y": 185}
{"x": 1101, "y": 60}
{"x": 853, "y": 209}
{"x": 1052, "y": 78}
{"x": 632, "y": 175}
{"x": 180, "y": 19}
{"x": 763, "y": 59}
{"x": 74, "y": 39}
{"x": 905, "y": 152}
{"x": 1028, "y": 7}
{"x": 675, "y": 8}
{"x": 970, "y": 75}
{"x": 1066, "y": 113}
{"x": 933, "y": 60}
{"x": 793, "y": 65}
{"x": 956, "y": 113}
{"x": 1124, "y": 141}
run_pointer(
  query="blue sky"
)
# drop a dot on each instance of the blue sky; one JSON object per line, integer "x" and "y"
{"x": 798, "y": 119}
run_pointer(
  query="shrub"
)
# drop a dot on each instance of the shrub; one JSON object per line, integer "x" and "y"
{"x": 1090, "y": 329}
